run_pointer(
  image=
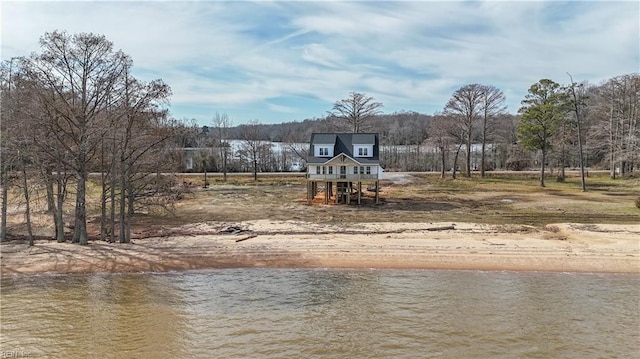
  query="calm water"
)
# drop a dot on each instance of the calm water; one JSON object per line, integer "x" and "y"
{"x": 301, "y": 313}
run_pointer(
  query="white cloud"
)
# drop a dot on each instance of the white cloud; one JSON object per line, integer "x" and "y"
{"x": 408, "y": 55}
{"x": 320, "y": 54}
{"x": 279, "y": 108}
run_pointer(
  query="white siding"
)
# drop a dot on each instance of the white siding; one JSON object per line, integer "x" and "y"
{"x": 317, "y": 147}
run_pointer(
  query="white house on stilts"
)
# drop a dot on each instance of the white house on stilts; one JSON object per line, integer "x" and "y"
{"x": 342, "y": 163}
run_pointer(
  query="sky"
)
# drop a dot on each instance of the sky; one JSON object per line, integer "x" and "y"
{"x": 283, "y": 61}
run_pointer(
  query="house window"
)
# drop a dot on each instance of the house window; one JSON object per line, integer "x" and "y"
{"x": 330, "y": 170}
{"x": 355, "y": 170}
{"x": 368, "y": 170}
{"x": 324, "y": 151}
{"x": 363, "y": 151}
{"x": 317, "y": 170}
{"x": 361, "y": 170}
{"x": 324, "y": 170}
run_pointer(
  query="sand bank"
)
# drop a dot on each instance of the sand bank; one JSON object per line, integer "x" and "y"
{"x": 558, "y": 247}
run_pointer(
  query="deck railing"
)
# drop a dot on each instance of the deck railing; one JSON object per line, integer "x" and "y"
{"x": 348, "y": 177}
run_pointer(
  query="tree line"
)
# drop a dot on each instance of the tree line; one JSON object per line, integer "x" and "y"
{"x": 596, "y": 124}
{"x": 73, "y": 109}
{"x": 575, "y": 125}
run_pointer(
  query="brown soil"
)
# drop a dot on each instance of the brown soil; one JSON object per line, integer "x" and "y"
{"x": 593, "y": 231}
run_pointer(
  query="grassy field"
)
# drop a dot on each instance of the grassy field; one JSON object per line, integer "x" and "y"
{"x": 500, "y": 198}
{"x": 513, "y": 198}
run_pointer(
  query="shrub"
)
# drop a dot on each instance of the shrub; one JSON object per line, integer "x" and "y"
{"x": 517, "y": 164}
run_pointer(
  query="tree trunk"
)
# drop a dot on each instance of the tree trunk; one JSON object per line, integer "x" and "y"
{"x": 576, "y": 109}
{"x": 563, "y": 161}
{"x": 80, "y": 228}
{"x": 204, "y": 167}
{"x": 48, "y": 175}
{"x": 103, "y": 198}
{"x": 27, "y": 211}
{"x": 51, "y": 202}
{"x": 583, "y": 182}
{"x": 255, "y": 169}
{"x": 455, "y": 163}
{"x": 123, "y": 206}
{"x": 112, "y": 200}
{"x": 4, "y": 182}
{"x": 224, "y": 165}
{"x": 112, "y": 195}
{"x": 130, "y": 212}
{"x": 468, "y": 152}
{"x": 443, "y": 159}
{"x": 544, "y": 159}
{"x": 482, "y": 158}
{"x": 60, "y": 195}
{"x": 612, "y": 146}
{"x": 484, "y": 143}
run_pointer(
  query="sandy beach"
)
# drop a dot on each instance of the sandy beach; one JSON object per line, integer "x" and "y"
{"x": 563, "y": 247}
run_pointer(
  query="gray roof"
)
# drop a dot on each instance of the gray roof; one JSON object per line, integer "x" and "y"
{"x": 363, "y": 139}
{"x": 323, "y": 138}
{"x": 343, "y": 143}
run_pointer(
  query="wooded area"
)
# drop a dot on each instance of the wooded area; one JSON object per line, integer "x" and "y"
{"x": 74, "y": 108}
{"x": 594, "y": 125}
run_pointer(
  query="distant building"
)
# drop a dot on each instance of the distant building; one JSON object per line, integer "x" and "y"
{"x": 345, "y": 161}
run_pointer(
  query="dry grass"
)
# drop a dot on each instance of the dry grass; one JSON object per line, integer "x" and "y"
{"x": 506, "y": 199}
{"x": 498, "y": 199}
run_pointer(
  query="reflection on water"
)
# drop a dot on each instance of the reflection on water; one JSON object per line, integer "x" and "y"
{"x": 269, "y": 313}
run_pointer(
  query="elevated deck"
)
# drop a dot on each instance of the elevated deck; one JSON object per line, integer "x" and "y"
{"x": 339, "y": 191}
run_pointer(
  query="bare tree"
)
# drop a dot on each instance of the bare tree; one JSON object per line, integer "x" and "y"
{"x": 7, "y": 134}
{"x": 440, "y": 137}
{"x": 356, "y": 109}
{"x": 492, "y": 106}
{"x": 94, "y": 116}
{"x": 80, "y": 74}
{"x": 616, "y": 117}
{"x": 577, "y": 97}
{"x": 251, "y": 135}
{"x": 562, "y": 143}
{"x": 21, "y": 140}
{"x": 296, "y": 143}
{"x": 465, "y": 106}
{"x": 140, "y": 134}
{"x": 458, "y": 135}
{"x": 221, "y": 130}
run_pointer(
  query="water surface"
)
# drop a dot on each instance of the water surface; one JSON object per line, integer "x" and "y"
{"x": 312, "y": 313}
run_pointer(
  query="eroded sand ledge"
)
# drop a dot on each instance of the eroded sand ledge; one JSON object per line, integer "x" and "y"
{"x": 560, "y": 247}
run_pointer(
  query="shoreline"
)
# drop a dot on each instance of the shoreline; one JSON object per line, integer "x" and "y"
{"x": 563, "y": 247}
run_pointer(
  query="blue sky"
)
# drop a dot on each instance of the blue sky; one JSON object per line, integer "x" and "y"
{"x": 276, "y": 61}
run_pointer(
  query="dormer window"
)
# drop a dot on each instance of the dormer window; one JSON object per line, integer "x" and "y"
{"x": 324, "y": 151}
{"x": 363, "y": 150}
